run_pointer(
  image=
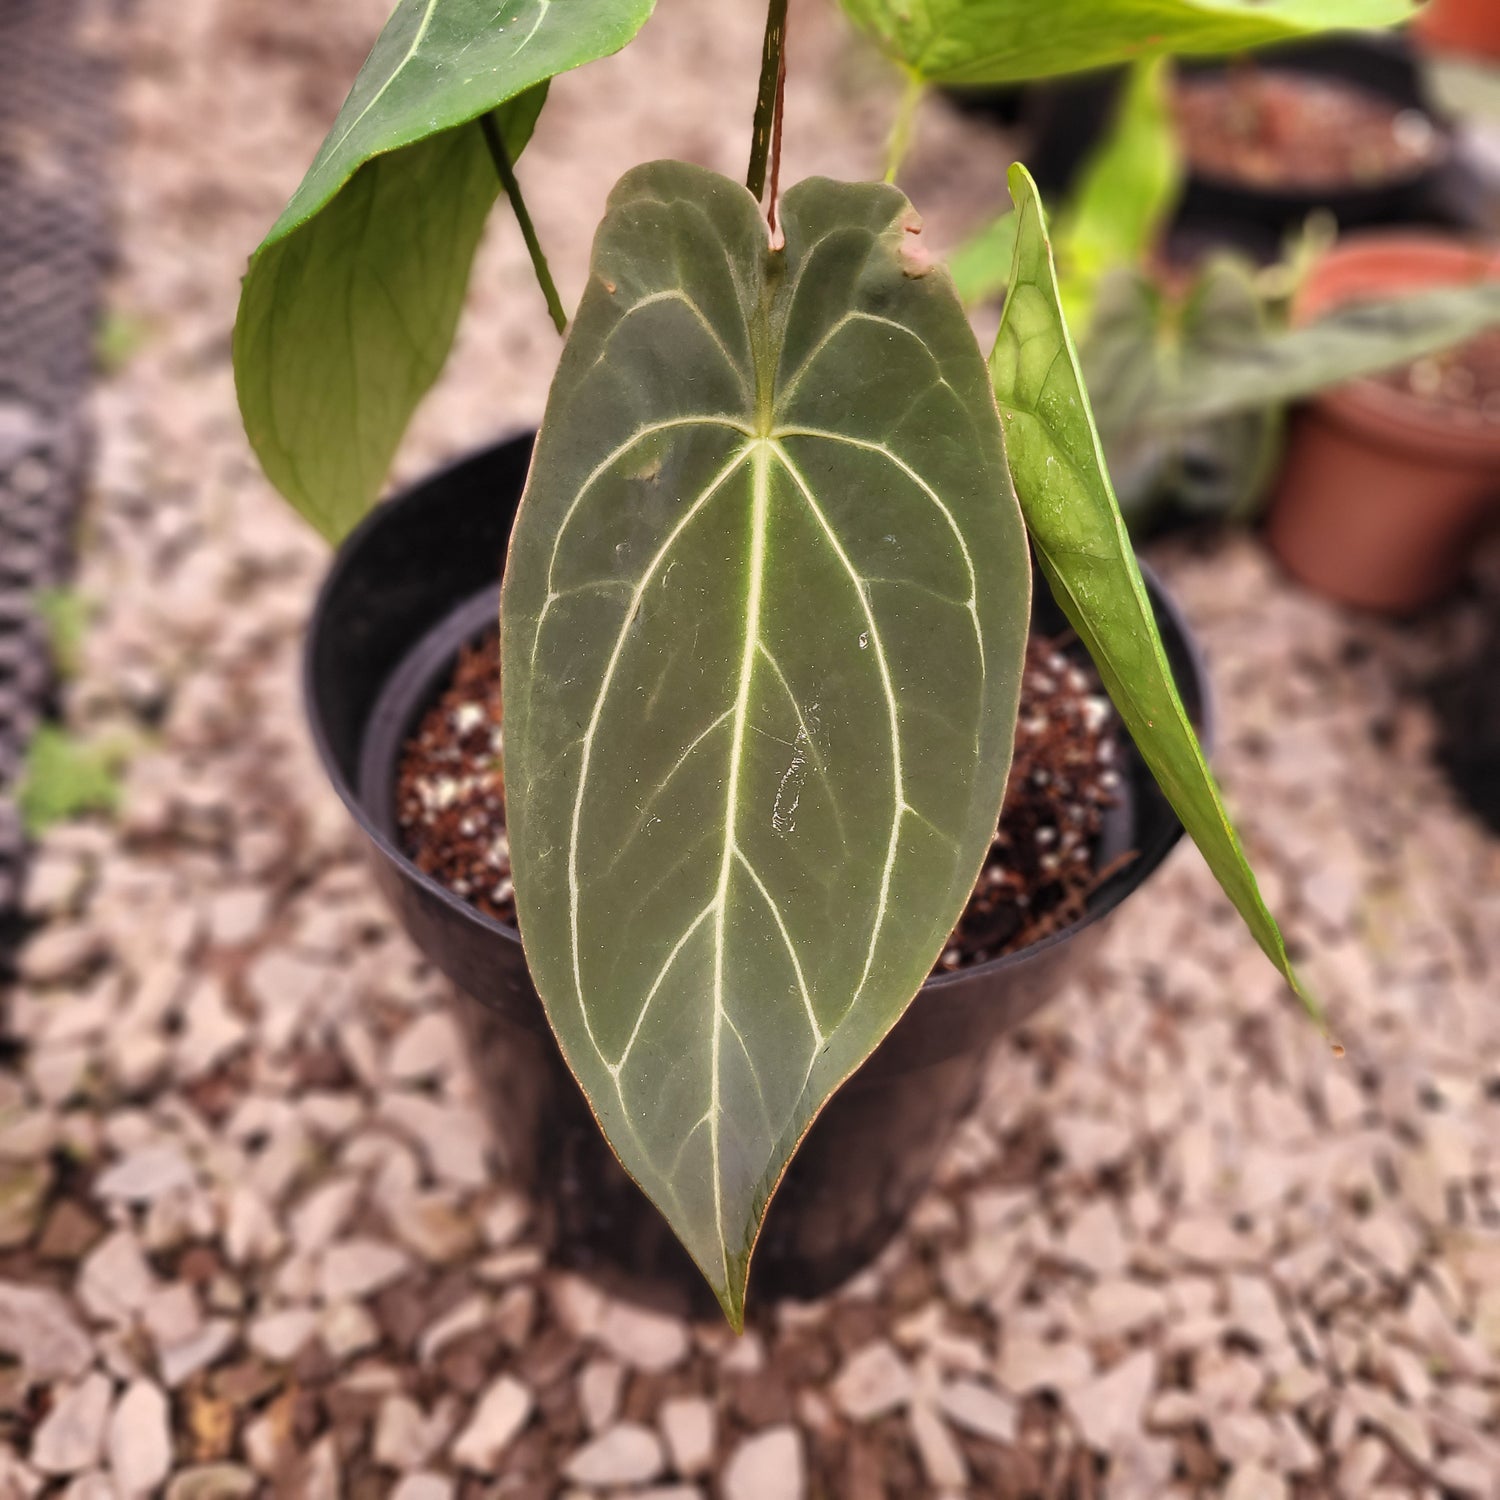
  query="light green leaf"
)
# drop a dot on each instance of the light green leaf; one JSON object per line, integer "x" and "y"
{"x": 1002, "y": 41}
{"x": 66, "y": 614}
{"x": 1081, "y": 542}
{"x": 441, "y": 63}
{"x": 980, "y": 267}
{"x": 1229, "y": 368}
{"x": 349, "y": 307}
{"x": 1126, "y": 192}
{"x": 762, "y": 629}
{"x": 345, "y": 322}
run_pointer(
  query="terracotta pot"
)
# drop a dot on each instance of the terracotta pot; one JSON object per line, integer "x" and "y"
{"x": 419, "y": 579}
{"x": 1381, "y": 494}
{"x": 1471, "y": 26}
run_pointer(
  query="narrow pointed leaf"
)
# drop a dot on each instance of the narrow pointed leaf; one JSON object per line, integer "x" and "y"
{"x": 762, "y": 628}
{"x": 1085, "y": 551}
{"x": 1001, "y": 41}
{"x": 349, "y": 306}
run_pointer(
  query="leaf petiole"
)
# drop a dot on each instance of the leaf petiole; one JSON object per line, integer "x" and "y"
{"x": 768, "y": 99}
{"x": 507, "y": 174}
{"x": 901, "y": 129}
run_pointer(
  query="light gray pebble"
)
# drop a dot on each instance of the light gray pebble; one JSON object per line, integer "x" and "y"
{"x": 688, "y": 1424}
{"x": 38, "y": 1328}
{"x": 625, "y": 1454}
{"x": 71, "y": 1435}
{"x": 767, "y": 1466}
{"x": 140, "y": 1440}
{"x": 502, "y": 1411}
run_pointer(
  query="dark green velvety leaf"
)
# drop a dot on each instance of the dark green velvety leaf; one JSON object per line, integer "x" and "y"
{"x": 1083, "y": 547}
{"x": 1002, "y": 41}
{"x": 1227, "y": 367}
{"x": 349, "y": 306}
{"x": 762, "y": 629}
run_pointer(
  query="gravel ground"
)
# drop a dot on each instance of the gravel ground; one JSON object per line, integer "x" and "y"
{"x": 252, "y": 1238}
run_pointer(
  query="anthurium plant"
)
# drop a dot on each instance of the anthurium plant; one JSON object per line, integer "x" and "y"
{"x": 768, "y": 590}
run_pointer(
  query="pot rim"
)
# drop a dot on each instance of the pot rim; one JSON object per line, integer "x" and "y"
{"x": 1365, "y": 406}
{"x": 1113, "y": 890}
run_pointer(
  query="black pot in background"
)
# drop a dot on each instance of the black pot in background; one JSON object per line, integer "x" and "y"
{"x": 416, "y": 581}
{"x": 1383, "y": 65}
{"x": 1065, "y": 120}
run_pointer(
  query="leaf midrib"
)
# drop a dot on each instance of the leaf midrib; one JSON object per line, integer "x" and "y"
{"x": 760, "y": 504}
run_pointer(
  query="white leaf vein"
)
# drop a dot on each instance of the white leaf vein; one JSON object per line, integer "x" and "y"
{"x": 675, "y": 294}
{"x": 853, "y": 316}
{"x": 759, "y": 510}
{"x": 698, "y": 419}
{"x": 897, "y": 776}
{"x": 870, "y": 446}
{"x": 637, "y": 594}
{"x": 661, "y": 975}
{"x": 791, "y": 947}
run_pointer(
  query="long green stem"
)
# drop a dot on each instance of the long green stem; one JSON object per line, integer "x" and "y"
{"x": 507, "y": 173}
{"x": 906, "y": 114}
{"x": 772, "y": 72}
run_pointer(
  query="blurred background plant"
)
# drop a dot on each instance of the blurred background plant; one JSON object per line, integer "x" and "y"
{"x": 1194, "y": 352}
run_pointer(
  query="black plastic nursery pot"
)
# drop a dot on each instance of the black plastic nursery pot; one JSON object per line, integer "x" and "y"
{"x": 417, "y": 581}
{"x": 1067, "y": 118}
{"x": 1267, "y": 212}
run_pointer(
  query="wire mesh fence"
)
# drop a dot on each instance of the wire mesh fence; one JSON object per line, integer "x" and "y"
{"x": 54, "y": 133}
